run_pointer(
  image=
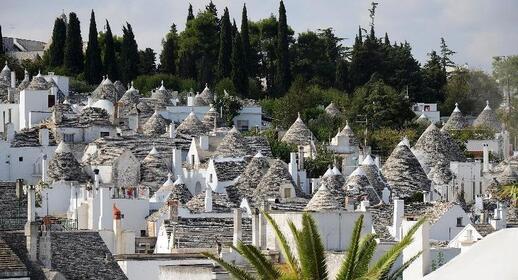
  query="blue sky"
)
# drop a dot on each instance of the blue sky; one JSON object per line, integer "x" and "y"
{"x": 476, "y": 29}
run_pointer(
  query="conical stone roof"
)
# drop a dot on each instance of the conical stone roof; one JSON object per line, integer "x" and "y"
{"x": 153, "y": 170}
{"x": 64, "y": 166}
{"x": 161, "y": 95}
{"x": 329, "y": 196}
{"x": 130, "y": 97}
{"x": 456, "y": 120}
{"x": 298, "y": 134}
{"x": 105, "y": 90}
{"x": 433, "y": 146}
{"x": 404, "y": 173}
{"x": 423, "y": 120}
{"x": 38, "y": 83}
{"x": 358, "y": 187}
{"x": 155, "y": 126}
{"x": 276, "y": 178}
{"x": 6, "y": 72}
{"x": 220, "y": 203}
{"x": 206, "y": 97}
{"x": 192, "y": 126}
{"x": 233, "y": 145}
{"x": 120, "y": 87}
{"x": 178, "y": 189}
{"x": 332, "y": 110}
{"x": 211, "y": 117}
{"x": 25, "y": 82}
{"x": 347, "y": 130}
{"x": 94, "y": 116}
{"x": 488, "y": 119}
{"x": 251, "y": 176}
{"x": 374, "y": 175}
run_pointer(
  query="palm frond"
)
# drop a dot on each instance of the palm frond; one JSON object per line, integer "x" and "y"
{"x": 314, "y": 266}
{"x": 399, "y": 272}
{"x": 365, "y": 252}
{"x": 285, "y": 248}
{"x": 234, "y": 270}
{"x": 347, "y": 266}
{"x": 385, "y": 263}
{"x": 263, "y": 266}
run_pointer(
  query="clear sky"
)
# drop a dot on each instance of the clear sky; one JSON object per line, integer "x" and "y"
{"x": 476, "y": 29}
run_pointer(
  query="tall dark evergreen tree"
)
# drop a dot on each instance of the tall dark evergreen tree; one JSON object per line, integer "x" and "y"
{"x": 342, "y": 75}
{"x": 147, "y": 64}
{"x": 73, "y": 57}
{"x": 234, "y": 29}
{"x": 283, "y": 59}
{"x": 93, "y": 63}
{"x": 169, "y": 55}
{"x": 129, "y": 55}
{"x": 190, "y": 14}
{"x": 56, "y": 50}
{"x": 446, "y": 54}
{"x": 212, "y": 8}
{"x": 239, "y": 76}
{"x": 434, "y": 78}
{"x": 225, "y": 47}
{"x": 245, "y": 37}
{"x": 2, "y": 50}
{"x": 110, "y": 59}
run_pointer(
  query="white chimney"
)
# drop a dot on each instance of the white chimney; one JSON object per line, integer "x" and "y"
{"x": 360, "y": 158}
{"x": 255, "y": 227}
{"x": 96, "y": 182}
{"x": 293, "y": 166}
{"x": 190, "y": 100}
{"x": 208, "y": 199}
{"x": 44, "y": 137}
{"x": 44, "y": 168}
{"x": 377, "y": 162}
{"x": 385, "y": 195}
{"x": 364, "y": 204}
{"x": 105, "y": 201}
{"x": 399, "y": 212}
{"x": 485, "y": 159}
{"x": 426, "y": 197}
{"x": 301, "y": 158}
{"x": 13, "y": 79}
{"x": 9, "y": 132}
{"x": 117, "y": 230}
{"x": 177, "y": 161}
{"x": 31, "y": 203}
{"x": 89, "y": 101}
{"x": 238, "y": 233}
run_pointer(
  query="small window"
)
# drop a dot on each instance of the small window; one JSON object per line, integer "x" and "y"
{"x": 210, "y": 178}
{"x": 192, "y": 159}
{"x": 242, "y": 125}
{"x": 105, "y": 133}
{"x": 287, "y": 193}
{"x": 51, "y": 101}
{"x": 20, "y": 159}
{"x": 68, "y": 137}
{"x": 427, "y": 108}
{"x": 459, "y": 222}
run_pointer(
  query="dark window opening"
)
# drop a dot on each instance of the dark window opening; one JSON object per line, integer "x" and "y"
{"x": 51, "y": 101}
{"x": 20, "y": 159}
{"x": 105, "y": 134}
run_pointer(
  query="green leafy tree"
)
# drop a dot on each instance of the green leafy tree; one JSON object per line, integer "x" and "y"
{"x": 283, "y": 56}
{"x": 129, "y": 55}
{"x": 230, "y": 106}
{"x": 147, "y": 64}
{"x": 56, "y": 50}
{"x": 169, "y": 55}
{"x": 383, "y": 106}
{"x": 434, "y": 79}
{"x": 93, "y": 63}
{"x": 225, "y": 47}
{"x": 310, "y": 261}
{"x": 110, "y": 59}
{"x": 245, "y": 37}
{"x": 73, "y": 55}
{"x": 342, "y": 75}
{"x": 239, "y": 73}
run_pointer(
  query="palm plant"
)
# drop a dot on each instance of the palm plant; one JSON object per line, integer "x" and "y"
{"x": 310, "y": 262}
{"x": 509, "y": 192}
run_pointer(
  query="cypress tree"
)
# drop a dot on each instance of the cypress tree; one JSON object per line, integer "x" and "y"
{"x": 2, "y": 50}
{"x": 129, "y": 55}
{"x": 190, "y": 14}
{"x": 57, "y": 47}
{"x": 73, "y": 57}
{"x": 225, "y": 47}
{"x": 234, "y": 29}
{"x": 110, "y": 61}
{"x": 169, "y": 53}
{"x": 93, "y": 63}
{"x": 283, "y": 63}
{"x": 239, "y": 76}
{"x": 245, "y": 37}
{"x": 342, "y": 75}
